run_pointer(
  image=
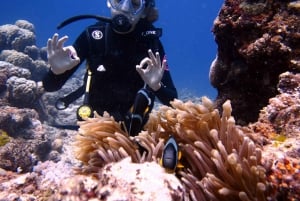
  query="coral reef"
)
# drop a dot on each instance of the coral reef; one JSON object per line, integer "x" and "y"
{"x": 257, "y": 41}
{"x": 146, "y": 181}
{"x": 223, "y": 157}
{"x": 27, "y": 143}
{"x": 23, "y": 92}
{"x": 17, "y": 36}
{"x": 22, "y": 67}
{"x": 220, "y": 161}
{"x": 279, "y": 123}
{"x": 38, "y": 67}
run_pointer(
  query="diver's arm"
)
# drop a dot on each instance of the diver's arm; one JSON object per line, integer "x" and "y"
{"x": 155, "y": 73}
{"x": 167, "y": 92}
{"x": 61, "y": 58}
{"x": 52, "y": 81}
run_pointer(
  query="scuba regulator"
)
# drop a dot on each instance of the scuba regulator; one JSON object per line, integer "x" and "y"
{"x": 85, "y": 110}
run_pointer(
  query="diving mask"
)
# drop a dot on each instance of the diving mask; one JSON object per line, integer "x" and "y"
{"x": 132, "y": 7}
{"x": 125, "y": 14}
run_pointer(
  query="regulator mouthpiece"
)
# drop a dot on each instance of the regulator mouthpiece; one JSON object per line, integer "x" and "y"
{"x": 121, "y": 24}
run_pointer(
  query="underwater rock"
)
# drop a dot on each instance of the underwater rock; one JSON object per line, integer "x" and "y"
{"x": 40, "y": 70}
{"x": 34, "y": 60}
{"x": 32, "y": 52}
{"x": 21, "y": 67}
{"x": 3, "y": 79}
{"x": 17, "y": 37}
{"x": 27, "y": 144}
{"x": 22, "y": 92}
{"x": 11, "y": 70}
{"x": 43, "y": 54}
{"x": 123, "y": 180}
{"x": 24, "y": 24}
{"x": 257, "y": 41}
{"x": 282, "y": 114}
{"x": 16, "y": 121}
{"x": 279, "y": 123}
{"x": 18, "y": 59}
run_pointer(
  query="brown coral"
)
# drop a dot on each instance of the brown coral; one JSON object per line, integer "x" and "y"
{"x": 257, "y": 41}
{"x": 285, "y": 176}
{"x": 220, "y": 161}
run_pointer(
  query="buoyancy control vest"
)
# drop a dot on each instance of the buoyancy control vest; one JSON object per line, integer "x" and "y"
{"x": 100, "y": 49}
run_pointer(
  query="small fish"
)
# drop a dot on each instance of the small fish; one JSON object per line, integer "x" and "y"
{"x": 171, "y": 156}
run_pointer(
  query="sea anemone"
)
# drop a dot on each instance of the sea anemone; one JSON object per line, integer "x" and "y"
{"x": 220, "y": 161}
{"x": 102, "y": 140}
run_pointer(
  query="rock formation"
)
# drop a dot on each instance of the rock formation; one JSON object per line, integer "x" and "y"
{"x": 257, "y": 41}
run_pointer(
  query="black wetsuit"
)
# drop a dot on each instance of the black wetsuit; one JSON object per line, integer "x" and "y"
{"x": 115, "y": 81}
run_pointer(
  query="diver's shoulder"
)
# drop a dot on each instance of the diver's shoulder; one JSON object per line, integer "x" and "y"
{"x": 97, "y": 24}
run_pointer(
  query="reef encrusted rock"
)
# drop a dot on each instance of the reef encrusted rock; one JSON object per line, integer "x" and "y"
{"x": 279, "y": 123}
{"x": 38, "y": 68}
{"x": 257, "y": 41}
{"x": 17, "y": 36}
{"x": 23, "y": 92}
{"x": 27, "y": 144}
{"x": 123, "y": 180}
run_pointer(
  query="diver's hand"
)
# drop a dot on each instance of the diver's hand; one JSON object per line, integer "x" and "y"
{"x": 152, "y": 70}
{"x": 61, "y": 58}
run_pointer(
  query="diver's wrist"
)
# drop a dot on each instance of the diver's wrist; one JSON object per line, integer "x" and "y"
{"x": 156, "y": 87}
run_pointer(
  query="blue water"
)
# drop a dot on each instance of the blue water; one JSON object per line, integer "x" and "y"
{"x": 187, "y": 37}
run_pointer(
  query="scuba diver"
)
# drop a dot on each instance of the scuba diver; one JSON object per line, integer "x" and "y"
{"x": 126, "y": 65}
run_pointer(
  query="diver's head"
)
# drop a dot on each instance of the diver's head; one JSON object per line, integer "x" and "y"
{"x": 127, "y": 13}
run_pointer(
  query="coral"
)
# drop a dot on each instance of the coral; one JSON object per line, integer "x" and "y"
{"x": 278, "y": 123}
{"x": 257, "y": 41}
{"x": 220, "y": 161}
{"x": 32, "y": 52}
{"x": 285, "y": 177}
{"x": 10, "y": 70}
{"x": 4, "y": 138}
{"x": 281, "y": 116}
{"x": 17, "y": 37}
{"x": 142, "y": 182}
{"x": 17, "y": 59}
{"x": 22, "y": 92}
{"x": 41, "y": 68}
{"x": 3, "y": 79}
{"x": 24, "y": 24}
{"x": 28, "y": 142}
